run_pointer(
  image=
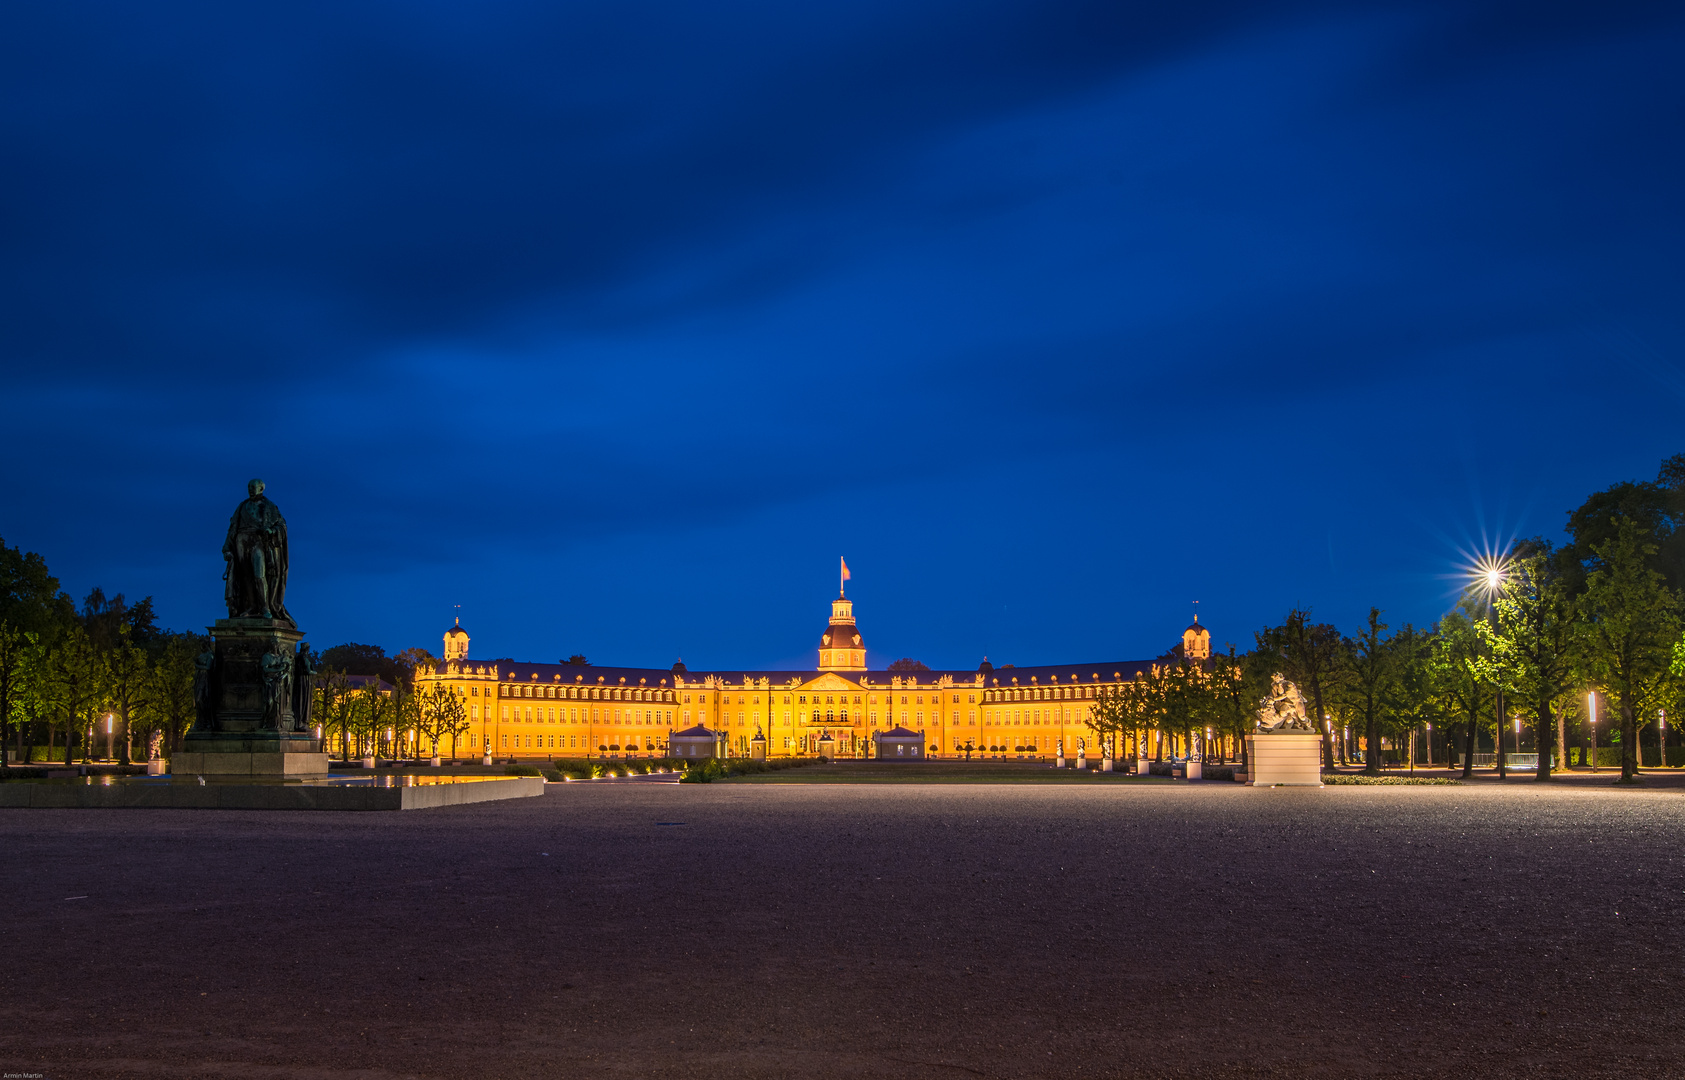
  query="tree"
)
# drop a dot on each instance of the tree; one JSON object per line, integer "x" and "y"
{"x": 1534, "y": 638}
{"x": 370, "y": 707}
{"x": 1455, "y": 677}
{"x": 354, "y": 659}
{"x": 30, "y": 598}
{"x": 577, "y": 660}
{"x": 109, "y": 620}
{"x": 1413, "y": 702}
{"x": 907, "y": 663}
{"x": 126, "y": 672}
{"x": 75, "y": 685}
{"x": 14, "y": 657}
{"x": 333, "y": 708}
{"x": 443, "y": 716}
{"x": 1367, "y": 664}
{"x": 1308, "y": 655}
{"x": 1238, "y": 686}
{"x": 167, "y": 707}
{"x": 1633, "y": 624}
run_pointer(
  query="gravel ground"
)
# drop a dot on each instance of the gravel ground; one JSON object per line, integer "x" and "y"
{"x": 742, "y": 930}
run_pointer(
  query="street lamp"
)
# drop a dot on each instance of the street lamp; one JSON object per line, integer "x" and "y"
{"x": 1661, "y": 739}
{"x": 1492, "y": 573}
{"x": 1591, "y": 703}
{"x": 110, "y": 727}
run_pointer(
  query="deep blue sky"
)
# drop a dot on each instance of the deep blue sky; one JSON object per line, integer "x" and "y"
{"x": 617, "y": 323}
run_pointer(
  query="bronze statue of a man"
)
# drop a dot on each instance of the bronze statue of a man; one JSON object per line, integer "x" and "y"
{"x": 256, "y": 554}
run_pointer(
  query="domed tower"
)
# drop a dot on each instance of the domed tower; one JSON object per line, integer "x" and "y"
{"x": 840, "y": 647}
{"x": 456, "y": 642}
{"x": 1196, "y": 641}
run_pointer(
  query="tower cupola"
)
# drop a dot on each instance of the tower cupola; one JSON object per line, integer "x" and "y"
{"x": 456, "y": 642}
{"x": 840, "y": 646}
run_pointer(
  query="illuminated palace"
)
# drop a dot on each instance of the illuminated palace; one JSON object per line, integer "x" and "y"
{"x": 575, "y": 710}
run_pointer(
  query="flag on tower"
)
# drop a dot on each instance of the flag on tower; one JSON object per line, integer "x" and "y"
{"x": 846, "y": 575}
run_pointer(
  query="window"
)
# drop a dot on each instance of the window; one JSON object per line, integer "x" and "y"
{"x": 505, "y": 740}
{"x": 505, "y": 712}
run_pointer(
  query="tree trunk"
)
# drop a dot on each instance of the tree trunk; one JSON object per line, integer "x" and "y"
{"x": 1541, "y": 726}
{"x": 1629, "y": 742}
{"x": 1469, "y": 744}
{"x": 1322, "y": 727}
{"x": 1372, "y": 744}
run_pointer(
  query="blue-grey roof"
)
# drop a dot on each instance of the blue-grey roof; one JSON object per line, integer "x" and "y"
{"x": 656, "y": 678}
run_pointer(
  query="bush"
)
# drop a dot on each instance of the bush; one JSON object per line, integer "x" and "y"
{"x": 552, "y": 775}
{"x": 1218, "y": 772}
{"x": 523, "y": 770}
{"x": 23, "y": 772}
{"x": 1159, "y": 768}
{"x": 1353, "y": 779}
{"x": 702, "y": 772}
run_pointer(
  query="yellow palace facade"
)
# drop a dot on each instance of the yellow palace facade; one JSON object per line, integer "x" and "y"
{"x": 542, "y": 711}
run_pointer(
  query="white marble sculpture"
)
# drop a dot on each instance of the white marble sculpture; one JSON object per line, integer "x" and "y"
{"x": 1284, "y": 710}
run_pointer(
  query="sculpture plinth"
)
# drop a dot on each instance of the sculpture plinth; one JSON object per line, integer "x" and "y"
{"x": 252, "y": 689}
{"x": 250, "y": 722}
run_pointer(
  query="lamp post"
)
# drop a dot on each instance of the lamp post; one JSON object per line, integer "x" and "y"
{"x": 1591, "y": 704}
{"x": 110, "y": 727}
{"x": 1661, "y": 739}
{"x": 1428, "y": 740}
{"x": 1493, "y": 580}
{"x": 1517, "y": 734}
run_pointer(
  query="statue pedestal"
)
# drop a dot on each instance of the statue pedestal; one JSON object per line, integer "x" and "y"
{"x": 250, "y": 732}
{"x": 227, "y": 763}
{"x": 1293, "y": 759}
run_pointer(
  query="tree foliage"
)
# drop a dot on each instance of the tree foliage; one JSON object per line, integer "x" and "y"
{"x": 1630, "y": 631}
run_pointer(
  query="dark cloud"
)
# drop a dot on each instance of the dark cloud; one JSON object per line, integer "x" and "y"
{"x": 520, "y": 299}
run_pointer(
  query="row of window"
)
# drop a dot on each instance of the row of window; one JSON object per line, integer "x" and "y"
{"x": 542, "y": 715}
{"x": 1051, "y": 693}
{"x": 609, "y": 693}
{"x": 592, "y": 693}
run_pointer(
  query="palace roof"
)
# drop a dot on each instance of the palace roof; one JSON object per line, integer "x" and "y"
{"x": 1040, "y": 675}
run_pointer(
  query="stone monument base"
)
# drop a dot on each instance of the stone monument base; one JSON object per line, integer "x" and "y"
{"x": 261, "y": 766}
{"x": 258, "y": 755}
{"x": 1292, "y": 759}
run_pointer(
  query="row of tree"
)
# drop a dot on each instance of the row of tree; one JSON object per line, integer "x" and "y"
{"x": 1537, "y": 632}
{"x": 373, "y": 718}
{"x": 69, "y": 675}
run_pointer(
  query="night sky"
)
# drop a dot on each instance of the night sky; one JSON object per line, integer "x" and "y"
{"x": 617, "y": 323}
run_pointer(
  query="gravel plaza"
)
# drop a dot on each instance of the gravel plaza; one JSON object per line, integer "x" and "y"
{"x": 860, "y": 930}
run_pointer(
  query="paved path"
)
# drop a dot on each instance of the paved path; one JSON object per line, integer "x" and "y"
{"x": 737, "y": 930}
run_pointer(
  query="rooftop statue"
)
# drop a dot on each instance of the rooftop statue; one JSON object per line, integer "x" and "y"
{"x": 255, "y": 581}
